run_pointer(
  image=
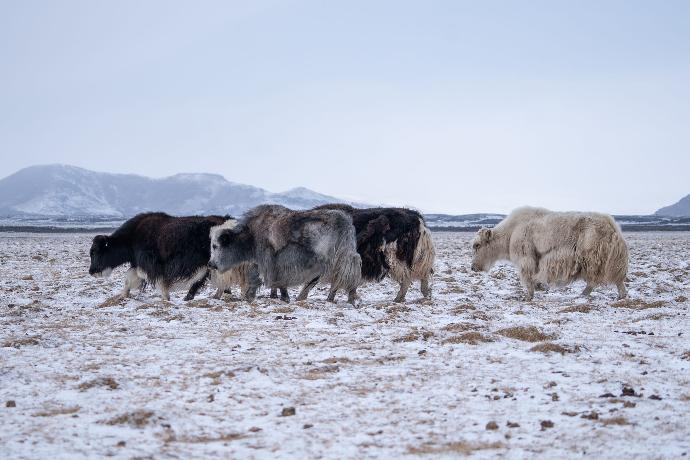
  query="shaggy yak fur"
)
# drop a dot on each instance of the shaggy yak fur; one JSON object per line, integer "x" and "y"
{"x": 292, "y": 248}
{"x": 556, "y": 248}
{"x": 168, "y": 252}
{"x": 395, "y": 242}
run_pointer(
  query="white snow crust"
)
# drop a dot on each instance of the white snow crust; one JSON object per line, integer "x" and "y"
{"x": 91, "y": 377}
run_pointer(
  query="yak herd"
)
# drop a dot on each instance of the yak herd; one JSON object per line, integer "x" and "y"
{"x": 343, "y": 247}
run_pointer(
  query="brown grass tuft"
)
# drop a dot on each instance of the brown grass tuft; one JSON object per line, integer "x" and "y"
{"x": 108, "y": 382}
{"x": 460, "y": 327}
{"x": 577, "y": 309}
{"x": 321, "y": 372}
{"x": 336, "y": 360}
{"x": 137, "y": 419}
{"x": 615, "y": 421}
{"x": 637, "y": 304}
{"x": 18, "y": 343}
{"x": 415, "y": 334}
{"x": 550, "y": 347}
{"x": 459, "y": 447}
{"x": 462, "y": 308}
{"x": 653, "y": 317}
{"x": 527, "y": 334}
{"x": 472, "y": 338}
{"x": 111, "y": 301}
{"x": 58, "y": 411}
{"x": 204, "y": 439}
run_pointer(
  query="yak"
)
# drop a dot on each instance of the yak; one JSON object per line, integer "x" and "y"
{"x": 168, "y": 252}
{"x": 394, "y": 242}
{"x": 292, "y": 248}
{"x": 556, "y": 248}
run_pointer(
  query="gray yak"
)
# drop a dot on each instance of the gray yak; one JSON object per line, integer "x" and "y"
{"x": 556, "y": 248}
{"x": 292, "y": 248}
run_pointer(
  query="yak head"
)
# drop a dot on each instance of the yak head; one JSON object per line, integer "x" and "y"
{"x": 105, "y": 256}
{"x": 486, "y": 250}
{"x": 230, "y": 246}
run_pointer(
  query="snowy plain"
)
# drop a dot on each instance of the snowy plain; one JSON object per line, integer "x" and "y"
{"x": 474, "y": 372}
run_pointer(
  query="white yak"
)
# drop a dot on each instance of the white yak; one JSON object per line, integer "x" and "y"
{"x": 556, "y": 248}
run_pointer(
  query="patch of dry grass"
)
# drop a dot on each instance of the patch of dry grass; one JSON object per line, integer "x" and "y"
{"x": 462, "y": 308}
{"x": 653, "y": 317}
{"x": 620, "y": 420}
{"x": 525, "y": 333}
{"x": 205, "y": 439}
{"x": 321, "y": 372}
{"x": 20, "y": 342}
{"x": 460, "y": 327}
{"x": 107, "y": 382}
{"x": 216, "y": 376}
{"x": 57, "y": 411}
{"x": 336, "y": 360}
{"x": 136, "y": 419}
{"x": 413, "y": 335}
{"x": 577, "y": 309}
{"x": 111, "y": 301}
{"x": 459, "y": 447}
{"x": 637, "y": 304}
{"x": 550, "y": 347}
{"x": 472, "y": 338}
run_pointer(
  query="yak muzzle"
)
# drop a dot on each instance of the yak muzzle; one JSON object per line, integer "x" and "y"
{"x": 212, "y": 265}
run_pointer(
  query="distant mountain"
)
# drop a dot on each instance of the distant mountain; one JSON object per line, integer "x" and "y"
{"x": 61, "y": 190}
{"x": 680, "y": 209}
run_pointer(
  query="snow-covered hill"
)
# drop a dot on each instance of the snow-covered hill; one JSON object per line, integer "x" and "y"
{"x": 679, "y": 209}
{"x": 61, "y": 190}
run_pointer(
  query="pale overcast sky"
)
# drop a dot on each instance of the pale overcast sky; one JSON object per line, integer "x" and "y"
{"x": 447, "y": 106}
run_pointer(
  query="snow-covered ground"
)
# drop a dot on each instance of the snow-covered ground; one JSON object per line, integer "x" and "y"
{"x": 83, "y": 377}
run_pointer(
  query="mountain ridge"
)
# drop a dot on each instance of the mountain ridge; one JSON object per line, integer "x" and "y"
{"x": 63, "y": 190}
{"x": 678, "y": 209}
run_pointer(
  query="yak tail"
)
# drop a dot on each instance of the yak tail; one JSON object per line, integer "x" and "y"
{"x": 617, "y": 260}
{"x": 346, "y": 266}
{"x": 607, "y": 260}
{"x": 424, "y": 254}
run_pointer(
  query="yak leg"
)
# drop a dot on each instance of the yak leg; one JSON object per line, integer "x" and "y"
{"x": 527, "y": 270}
{"x": 250, "y": 292}
{"x": 352, "y": 296}
{"x": 250, "y": 283}
{"x": 587, "y": 290}
{"x": 622, "y": 292}
{"x": 404, "y": 286}
{"x": 426, "y": 289}
{"x": 194, "y": 288}
{"x": 307, "y": 287}
{"x": 284, "y": 296}
{"x": 165, "y": 291}
{"x": 219, "y": 293}
{"x": 274, "y": 293}
{"x": 132, "y": 281}
{"x": 331, "y": 294}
